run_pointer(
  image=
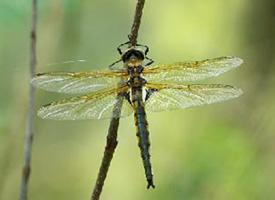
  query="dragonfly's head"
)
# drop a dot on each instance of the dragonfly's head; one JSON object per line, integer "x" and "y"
{"x": 133, "y": 57}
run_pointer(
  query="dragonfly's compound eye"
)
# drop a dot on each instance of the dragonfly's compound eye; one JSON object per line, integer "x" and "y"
{"x": 132, "y": 53}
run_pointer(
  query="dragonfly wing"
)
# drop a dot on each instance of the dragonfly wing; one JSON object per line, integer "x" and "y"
{"x": 97, "y": 105}
{"x": 77, "y": 82}
{"x": 191, "y": 71}
{"x": 174, "y": 96}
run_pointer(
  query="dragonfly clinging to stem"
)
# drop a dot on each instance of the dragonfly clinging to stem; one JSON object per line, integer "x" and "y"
{"x": 139, "y": 87}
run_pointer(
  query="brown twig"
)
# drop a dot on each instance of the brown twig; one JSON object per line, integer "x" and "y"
{"x": 29, "y": 126}
{"x": 112, "y": 132}
{"x": 136, "y": 23}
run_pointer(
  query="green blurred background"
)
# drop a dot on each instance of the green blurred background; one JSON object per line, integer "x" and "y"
{"x": 221, "y": 151}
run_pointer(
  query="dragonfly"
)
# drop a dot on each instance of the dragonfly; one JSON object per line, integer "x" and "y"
{"x": 136, "y": 86}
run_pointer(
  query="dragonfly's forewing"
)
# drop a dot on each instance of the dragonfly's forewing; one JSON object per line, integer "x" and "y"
{"x": 190, "y": 71}
{"x": 98, "y": 105}
{"x": 174, "y": 96}
{"x": 77, "y": 82}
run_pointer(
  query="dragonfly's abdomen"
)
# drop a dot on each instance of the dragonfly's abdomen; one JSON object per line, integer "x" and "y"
{"x": 143, "y": 140}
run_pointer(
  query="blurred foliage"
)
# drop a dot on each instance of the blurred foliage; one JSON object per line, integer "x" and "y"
{"x": 221, "y": 151}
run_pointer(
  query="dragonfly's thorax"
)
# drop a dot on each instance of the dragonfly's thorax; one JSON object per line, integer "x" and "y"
{"x": 135, "y": 70}
{"x": 133, "y": 62}
{"x": 136, "y": 82}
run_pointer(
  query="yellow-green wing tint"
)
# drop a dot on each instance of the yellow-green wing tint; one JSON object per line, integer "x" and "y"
{"x": 77, "y": 82}
{"x": 173, "y": 96}
{"x": 190, "y": 71}
{"x": 97, "y": 105}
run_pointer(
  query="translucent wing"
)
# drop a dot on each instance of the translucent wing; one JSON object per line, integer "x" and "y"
{"x": 173, "y": 96}
{"x": 191, "y": 71}
{"x": 77, "y": 82}
{"x": 96, "y": 105}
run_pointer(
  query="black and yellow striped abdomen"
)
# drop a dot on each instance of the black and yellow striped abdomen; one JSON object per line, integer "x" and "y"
{"x": 142, "y": 133}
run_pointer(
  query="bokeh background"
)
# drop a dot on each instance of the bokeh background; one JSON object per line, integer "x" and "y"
{"x": 218, "y": 152}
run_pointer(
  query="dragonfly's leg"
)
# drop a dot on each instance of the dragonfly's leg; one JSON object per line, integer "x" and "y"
{"x": 140, "y": 45}
{"x": 111, "y": 66}
{"x": 145, "y": 46}
{"x": 149, "y": 93}
{"x": 121, "y": 45}
{"x": 129, "y": 37}
{"x": 127, "y": 97}
{"x": 151, "y": 61}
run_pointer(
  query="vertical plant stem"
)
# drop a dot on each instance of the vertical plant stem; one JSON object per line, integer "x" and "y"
{"x": 136, "y": 23}
{"x": 111, "y": 142}
{"x": 29, "y": 126}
